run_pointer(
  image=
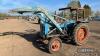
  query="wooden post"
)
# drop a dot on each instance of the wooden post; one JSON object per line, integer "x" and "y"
{"x": 76, "y": 14}
{"x": 83, "y": 14}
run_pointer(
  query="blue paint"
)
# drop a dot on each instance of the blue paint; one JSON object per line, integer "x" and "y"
{"x": 67, "y": 23}
{"x": 44, "y": 24}
{"x": 47, "y": 23}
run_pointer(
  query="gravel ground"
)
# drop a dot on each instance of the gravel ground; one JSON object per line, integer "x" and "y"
{"x": 21, "y": 44}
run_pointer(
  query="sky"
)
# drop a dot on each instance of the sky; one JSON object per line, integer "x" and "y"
{"x": 52, "y": 5}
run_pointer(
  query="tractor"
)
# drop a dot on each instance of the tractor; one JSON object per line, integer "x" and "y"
{"x": 52, "y": 31}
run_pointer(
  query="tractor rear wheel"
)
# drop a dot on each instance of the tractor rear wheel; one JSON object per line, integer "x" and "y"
{"x": 54, "y": 45}
{"x": 80, "y": 34}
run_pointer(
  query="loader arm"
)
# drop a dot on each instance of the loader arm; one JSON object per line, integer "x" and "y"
{"x": 47, "y": 16}
{"x": 48, "y": 24}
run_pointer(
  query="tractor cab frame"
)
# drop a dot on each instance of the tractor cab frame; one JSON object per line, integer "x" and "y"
{"x": 77, "y": 14}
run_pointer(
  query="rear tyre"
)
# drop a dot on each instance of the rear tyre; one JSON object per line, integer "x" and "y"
{"x": 54, "y": 45}
{"x": 80, "y": 34}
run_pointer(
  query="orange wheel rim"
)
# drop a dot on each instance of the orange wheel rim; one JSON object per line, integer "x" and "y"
{"x": 55, "y": 45}
{"x": 81, "y": 34}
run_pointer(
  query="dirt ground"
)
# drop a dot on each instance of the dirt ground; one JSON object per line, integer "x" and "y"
{"x": 25, "y": 40}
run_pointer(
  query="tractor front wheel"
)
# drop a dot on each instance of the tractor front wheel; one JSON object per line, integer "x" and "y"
{"x": 80, "y": 34}
{"x": 55, "y": 45}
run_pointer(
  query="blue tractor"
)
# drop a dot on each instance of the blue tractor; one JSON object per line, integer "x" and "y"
{"x": 75, "y": 28}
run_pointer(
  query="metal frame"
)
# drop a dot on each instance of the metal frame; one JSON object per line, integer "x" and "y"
{"x": 74, "y": 9}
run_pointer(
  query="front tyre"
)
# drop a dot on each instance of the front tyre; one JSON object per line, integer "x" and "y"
{"x": 54, "y": 45}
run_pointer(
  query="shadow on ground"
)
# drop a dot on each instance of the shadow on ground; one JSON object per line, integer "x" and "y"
{"x": 37, "y": 41}
{"x": 39, "y": 44}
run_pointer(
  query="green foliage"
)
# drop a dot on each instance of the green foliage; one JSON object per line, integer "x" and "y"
{"x": 2, "y": 15}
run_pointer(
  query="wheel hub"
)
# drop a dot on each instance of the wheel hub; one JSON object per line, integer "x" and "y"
{"x": 81, "y": 34}
{"x": 55, "y": 45}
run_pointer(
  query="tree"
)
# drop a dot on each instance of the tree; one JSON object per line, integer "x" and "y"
{"x": 87, "y": 11}
{"x": 97, "y": 13}
{"x": 74, "y": 4}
